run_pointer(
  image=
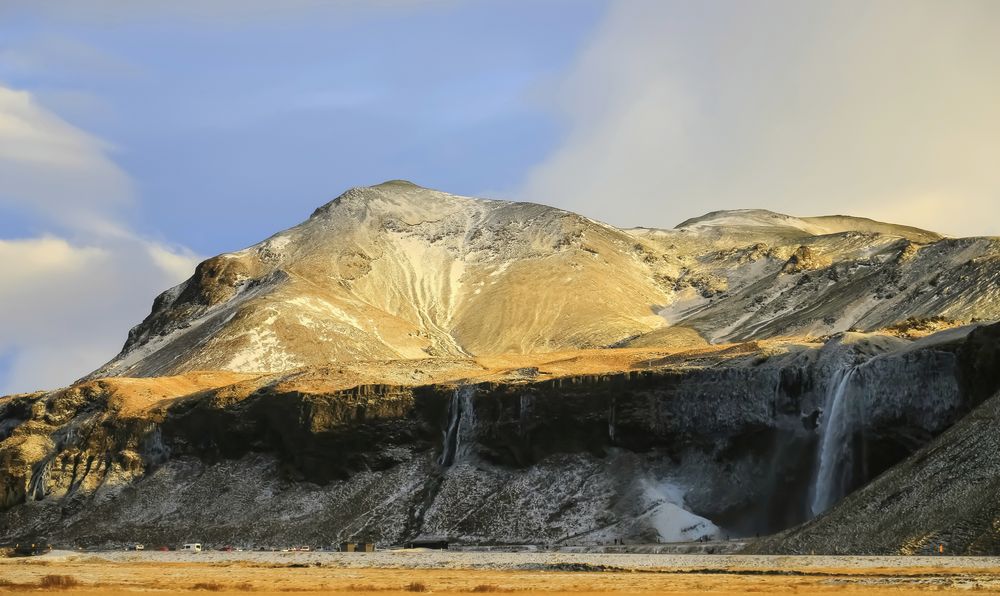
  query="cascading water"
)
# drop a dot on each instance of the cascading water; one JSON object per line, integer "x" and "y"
{"x": 460, "y": 418}
{"x": 834, "y": 450}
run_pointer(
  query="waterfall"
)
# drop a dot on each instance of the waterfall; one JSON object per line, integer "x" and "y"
{"x": 834, "y": 449}
{"x": 460, "y": 418}
{"x": 612, "y": 419}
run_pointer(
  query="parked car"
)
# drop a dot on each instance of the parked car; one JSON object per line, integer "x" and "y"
{"x": 192, "y": 547}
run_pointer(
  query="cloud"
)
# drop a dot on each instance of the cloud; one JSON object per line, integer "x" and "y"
{"x": 54, "y": 169}
{"x": 66, "y": 303}
{"x": 66, "y": 307}
{"x": 885, "y": 109}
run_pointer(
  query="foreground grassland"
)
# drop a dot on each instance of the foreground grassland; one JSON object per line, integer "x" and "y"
{"x": 472, "y": 572}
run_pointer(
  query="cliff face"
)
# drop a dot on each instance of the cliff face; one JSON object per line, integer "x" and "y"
{"x": 944, "y": 496}
{"x": 667, "y": 453}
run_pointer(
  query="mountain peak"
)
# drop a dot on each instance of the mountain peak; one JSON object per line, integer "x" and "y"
{"x": 398, "y": 183}
{"x": 399, "y": 197}
{"x": 745, "y": 218}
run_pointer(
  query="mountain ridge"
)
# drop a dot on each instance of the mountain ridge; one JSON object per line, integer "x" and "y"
{"x": 812, "y": 225}
{"x": 399, "y": 271}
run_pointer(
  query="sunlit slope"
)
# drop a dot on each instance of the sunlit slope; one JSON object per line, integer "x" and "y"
{"x": 397, "y": 271}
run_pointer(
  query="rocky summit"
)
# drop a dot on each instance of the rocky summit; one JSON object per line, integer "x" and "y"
{"x": 408, "y": 363}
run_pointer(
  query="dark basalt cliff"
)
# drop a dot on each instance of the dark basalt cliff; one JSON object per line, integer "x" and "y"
{"x": 945, "y": 497}
{"x": 727, "y": 449}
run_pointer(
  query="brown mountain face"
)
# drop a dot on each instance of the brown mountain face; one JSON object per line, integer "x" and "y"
{"x": 397, "y": 271}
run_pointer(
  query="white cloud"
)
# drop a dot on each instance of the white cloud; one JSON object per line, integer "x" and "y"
{"x": 884, "y": 109}
{"x": 65, "y": 307}
{"x": 66, "y": 304}
{"x": 53, "y": 168}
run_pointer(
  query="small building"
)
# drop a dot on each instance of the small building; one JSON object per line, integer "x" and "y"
{"x": 348, "y": 547}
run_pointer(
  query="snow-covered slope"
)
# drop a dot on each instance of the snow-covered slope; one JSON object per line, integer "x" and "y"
{"x": 396, "y": 271}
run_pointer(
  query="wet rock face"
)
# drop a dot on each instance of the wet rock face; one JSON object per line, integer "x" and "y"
{"x": 518, "y": 425}
{"x": 734, "y": 446}
{"x": 910, "y": 398}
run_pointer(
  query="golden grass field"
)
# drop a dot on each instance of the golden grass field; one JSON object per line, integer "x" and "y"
{"x": 116, "y": 574}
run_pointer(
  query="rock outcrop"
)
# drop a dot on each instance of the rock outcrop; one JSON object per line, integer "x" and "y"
{"x": 805, "y": 259}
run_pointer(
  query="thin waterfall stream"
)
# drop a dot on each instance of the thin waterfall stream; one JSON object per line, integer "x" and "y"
{"x": 460, "y": 415}
{"x": 834, "y": 442}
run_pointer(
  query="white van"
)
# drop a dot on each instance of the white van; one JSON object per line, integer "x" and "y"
{"x": 192, "y": 547}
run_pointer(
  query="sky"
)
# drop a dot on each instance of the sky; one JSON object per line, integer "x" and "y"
{"x": 137, "y": 138}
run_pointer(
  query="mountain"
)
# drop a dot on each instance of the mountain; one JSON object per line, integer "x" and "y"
{"x": 396, "y": 271}
{"x": 409, "y": 363}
